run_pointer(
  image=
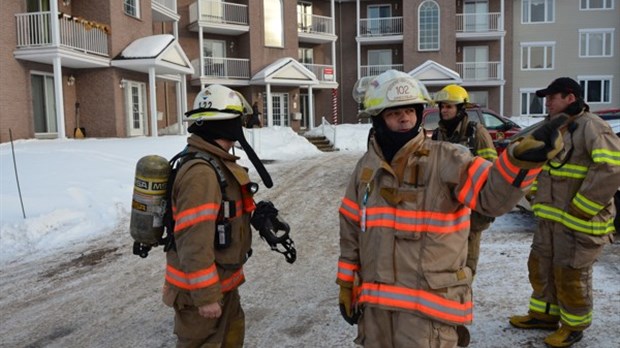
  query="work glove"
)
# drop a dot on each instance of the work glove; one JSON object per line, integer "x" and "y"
{"x": 345, "y": 302}
{"x": 543, "y": 144}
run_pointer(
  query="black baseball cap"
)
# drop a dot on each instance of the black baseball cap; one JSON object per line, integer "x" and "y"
{"x": 561, "y": 85}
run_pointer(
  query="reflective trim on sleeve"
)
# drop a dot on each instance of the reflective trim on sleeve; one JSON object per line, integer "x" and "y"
{"x": 350, "y": 209}
{"x": 606, "y": 156}
{"x": 487, "y": 153}
{"x": 595, "y": 228}
{"x": 194, "y": 280}
{"x": 477, "y": 174}
{"x": 586, "y": 205}
{"x": 568, "y": 170}
{"x": 346, "y": 271}
{"x": 192, "y": 216}
{"x": 510, "y": 172}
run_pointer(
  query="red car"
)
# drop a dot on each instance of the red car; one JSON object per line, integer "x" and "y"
{"x": 498, "y": 126}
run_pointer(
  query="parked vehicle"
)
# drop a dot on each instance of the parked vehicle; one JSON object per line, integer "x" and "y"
{"x": 498, "y": 126}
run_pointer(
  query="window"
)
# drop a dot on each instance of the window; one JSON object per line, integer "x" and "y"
{"x": 379, "y": 19}
{"x": 379, "y": 61}
{"x": 537, "y": 11}
{"x": 306, "y": 55}
{"x": 132, "y": 8}
{"x": 479, "y": 97}
{"x": 596, "y": 89}
{"x": 597, "y": 4}
{"x": 596, "y": 42}
{"x": 537, "y": 55}
{"x": 304, "y": 16}
{"x": 428, "y": 26}
{"x": 531, "y": 105}
{"x": 274, "y": 28}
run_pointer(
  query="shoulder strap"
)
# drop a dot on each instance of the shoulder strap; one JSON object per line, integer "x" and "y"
{"x": 471, "y": 136}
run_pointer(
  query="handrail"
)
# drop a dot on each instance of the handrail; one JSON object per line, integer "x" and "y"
{"x": 330, "y": 127}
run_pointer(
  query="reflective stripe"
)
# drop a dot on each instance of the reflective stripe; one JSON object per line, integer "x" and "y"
{"x": 487, "y": 153}
{"x": 534, "y": 187}
{"x": 596, "y": 228}
{"x": 192, "y": 216}
{"x": 350, "y": 209}
{"x": 510, "y": 172}
{"x": 477, "y": 174}
{"x": 418, "y": 220}
{"x": 233, "y": 281}
{"x": 587, "y": 205}
{"x": 575, "y": 320}
{"x": 606, "y": 156}
{"x": 541, "y": 307}
{"x": 420, "y": 301}
{"x": 346, "y": 271}
{"x": 568, "y": 170}
{"x": 192, "y": 281}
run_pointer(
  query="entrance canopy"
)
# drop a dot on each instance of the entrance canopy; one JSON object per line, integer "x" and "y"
{"x": 431, "y": 73}
{"x": 161, "y": 52}
{"x": 285, "y": 72}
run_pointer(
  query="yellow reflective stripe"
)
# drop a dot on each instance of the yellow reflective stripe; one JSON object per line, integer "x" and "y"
{"x": 586, "y": 205}
{"x": 541, "y": 307}
{"x": 606, "y": 156}
{"x": 534, "y": 187}
{"x": 595, "y": 228}
{"x": 487, "y": 153}
{"x": 576, "y": 320}
{"x": 568, "y": 170}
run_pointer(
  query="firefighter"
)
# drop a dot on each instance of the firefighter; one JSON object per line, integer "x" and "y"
{"x": 573, "y": 199}
{"x": 404, "y": 219}
{"x": 455, "y": 127}
{"x": 203, "y": 272}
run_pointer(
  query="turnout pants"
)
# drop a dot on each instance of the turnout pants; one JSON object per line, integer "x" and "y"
{"x": 560, "y": 272}
{"x": 384, "y": 329}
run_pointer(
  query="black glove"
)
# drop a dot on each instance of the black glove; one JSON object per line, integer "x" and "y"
{"x": 543, "y": 144}
{"x": 273, "y": 230}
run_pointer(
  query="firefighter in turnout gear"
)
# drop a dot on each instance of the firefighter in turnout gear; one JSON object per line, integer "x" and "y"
{"x": 573, "y": 199}
{"x": 211, "y": 204}
{"x": 404, "y": 219}
{"x": 455, "y": 127}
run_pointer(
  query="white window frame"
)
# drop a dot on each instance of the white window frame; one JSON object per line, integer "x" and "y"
{"x": 602, "y": 78}
{"x": 437, "y": 44}
{"x": 587, "y": 33}
{"x": 135, "y": 4}
{"x": 542, "y": 44}
{"x": 585, "y": 5}
{"x": 273, "y": 21}
{"x": 530, "y": 92}
{"x": 526, "y": 14}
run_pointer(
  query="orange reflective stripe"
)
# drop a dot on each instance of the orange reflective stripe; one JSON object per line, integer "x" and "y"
{"x": 477, "y": 175}
{"x": 510, "y": 172}
{"x": 346, "y": 271}
{"x": 420, "y": 301}
{"x": 233, "y": 281}
{"x": 350, "y": 209}
{"x": 195, "y": 215}
{"x": 418, "y": 221}
{"x": 194, "y": 280}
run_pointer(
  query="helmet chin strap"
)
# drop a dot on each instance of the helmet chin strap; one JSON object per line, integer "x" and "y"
{"x": 258, "y": 165}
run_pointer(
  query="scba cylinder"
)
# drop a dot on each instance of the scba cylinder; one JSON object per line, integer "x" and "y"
{"x": 148, "y": 202}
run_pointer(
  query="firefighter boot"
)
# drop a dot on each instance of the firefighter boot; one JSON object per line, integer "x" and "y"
{"x": 535, "y": 321}
{"x": 565, "y": 336}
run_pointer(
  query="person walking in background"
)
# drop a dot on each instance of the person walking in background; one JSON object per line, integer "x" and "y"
{"x": 573, "y": 199}
{"x": 404, "y": 219}
{"x": 255, "y": 120}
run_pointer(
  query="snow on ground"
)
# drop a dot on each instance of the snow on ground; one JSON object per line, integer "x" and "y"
{"x": 70, "y": 258}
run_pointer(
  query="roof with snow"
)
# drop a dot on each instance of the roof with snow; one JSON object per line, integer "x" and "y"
{"x": 432, "y": 73}
{"x": 285, "y": 72}
{"x": 161, "y": 52}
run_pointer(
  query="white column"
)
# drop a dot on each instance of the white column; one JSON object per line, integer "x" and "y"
{"x": 153, "y": 101}
{"x": 59, "y": 98}
{"x": 183, "y": 126}
{"x": 311, "y": 106}
{"x": 178, "y": 87}
{"x": 357, "y": 31}
{"x": 269, "y": 105}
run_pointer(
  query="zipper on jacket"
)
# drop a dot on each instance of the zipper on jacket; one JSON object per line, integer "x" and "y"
{"x": 364, "y": 201}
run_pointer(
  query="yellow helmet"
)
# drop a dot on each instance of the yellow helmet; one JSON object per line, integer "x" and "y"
{"x": 452, "y": 94}
{"x": 217, "y": 102}
{"x": 390, "y": 89}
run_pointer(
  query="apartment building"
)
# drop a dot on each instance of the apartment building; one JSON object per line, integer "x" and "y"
{"x": 574, "y": 38}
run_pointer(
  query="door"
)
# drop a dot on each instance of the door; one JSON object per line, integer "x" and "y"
{"x": 476, "y": 62}
{"x": 39, "y": 28}
{"x": 476, "y": 17}
{"x": 44, "y": 104}
{"x": 215, "y": 54}
{"x": 135, "y": 106}
{"x": 304, "y": 16}
{"x": 379, "y": 61}
{"x": 376, "y": 23}
{"x": 280, "y": 113}
{"x": 304, "y": 108}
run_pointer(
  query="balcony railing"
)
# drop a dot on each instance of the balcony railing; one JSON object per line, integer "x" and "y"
{"x": 324, "y": 73}
{"x": 372, "y": 70}
{"x": 479, "y": 71}
{"x": 168, "y": 4}
{"x": 35, "y": 30}
{"x": 315, "y": 24}
{"x": 478, "y": 22}
{"x": 218, "y": 12}
{"x": 225, "y": 68}
{"x": 370, "y": 27}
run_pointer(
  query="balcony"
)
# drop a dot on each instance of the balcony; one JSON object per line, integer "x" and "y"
{"x": 315, "y": 29}
{"x": 373, "y": 70}
{"x": 165, "y": 10}
{"x": 229, "y": 71}
{"x": 385, "y": 30}
{"x": 324, "y": 73}
{"x": 480, "y": 73}
{"x": 219, "y": 17}
{"x": 81, "y": 43}
{"x": 476, "y": 26}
